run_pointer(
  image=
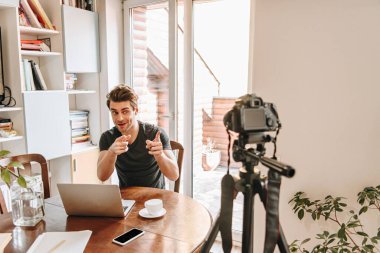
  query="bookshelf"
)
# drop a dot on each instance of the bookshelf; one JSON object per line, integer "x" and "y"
{"x": 9, "y": 139}
{"x": 10, "y": 109}
{"x": 37, "y": 31}
{"x": 41, "y": 117}
{"x": 39, "y": 54}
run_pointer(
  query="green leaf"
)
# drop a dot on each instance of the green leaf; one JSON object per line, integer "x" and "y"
{"x": 4, "y": 153}
{"x": 6, "y": 176}
{"x": 362, "y": 233}
{"x": 363, "y": 209}
{"x": 342, "y": 233}
{"x": 15, "y": 165}
{"x": 305, "y": 241}
{"x": 330, "y": 241}
{"x": 301, "y": 214}
{"x": 21, "y": 181}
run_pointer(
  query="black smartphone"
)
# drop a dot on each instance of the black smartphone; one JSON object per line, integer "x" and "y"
{"x": 128, "y": 236}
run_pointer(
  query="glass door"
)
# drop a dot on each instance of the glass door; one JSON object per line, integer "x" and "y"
{"x": 150, "y": 60}
{"x": 220, "y": 60}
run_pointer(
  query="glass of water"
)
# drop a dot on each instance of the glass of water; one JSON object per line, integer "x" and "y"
{"x": 27, "y": 203}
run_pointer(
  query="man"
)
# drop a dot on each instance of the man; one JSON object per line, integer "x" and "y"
{"x": 140, "y": 151}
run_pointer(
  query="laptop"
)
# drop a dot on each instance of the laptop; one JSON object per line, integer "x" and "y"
{"x": 94, "y": 200}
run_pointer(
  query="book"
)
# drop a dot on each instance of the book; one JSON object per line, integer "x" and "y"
{"x": 2, "y": 120}
{"x": 79, "y": 132}
{"x": 41, "y": 14}
{"x": 74, "y": 241}
{"x": 43, "y": 83}
{"x": 30, "y": 47}
{"x": 22, "y": 76}
{"x": 30, "y": 14}
{"x": 6, "y": 124}
{"x": 30, "y": 73}
{"x": 36, "y": 77}
{"x": 79, "y": 124}
{"x": 23, "y": 19}
{"x": 5, "y": 238}
{"x": 37, "y": 42}
{"x": 27, "y": 75}
{"x": 80, "y": 138}
{"x": 35, "y": 45}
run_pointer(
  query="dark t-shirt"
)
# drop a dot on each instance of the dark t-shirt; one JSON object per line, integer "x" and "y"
{"x": 137, "y": 167}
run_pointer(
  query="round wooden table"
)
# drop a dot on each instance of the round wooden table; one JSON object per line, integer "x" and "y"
{"x": 182, "y": 229}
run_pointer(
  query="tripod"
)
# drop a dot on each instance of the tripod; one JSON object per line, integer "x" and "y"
{"x": 250, "y": 184}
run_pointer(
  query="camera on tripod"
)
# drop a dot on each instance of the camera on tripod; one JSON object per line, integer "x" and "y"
{"x": 251, "y": 118}
{"x": 251, "y": 114}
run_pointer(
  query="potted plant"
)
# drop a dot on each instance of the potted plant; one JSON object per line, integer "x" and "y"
{"x": 26, "y": 193}
{"x": 210, "y": 156}
{"x": 349, "y": 234}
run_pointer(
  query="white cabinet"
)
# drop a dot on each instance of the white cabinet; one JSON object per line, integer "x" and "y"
{"x": 81, "y": 36}
{"x": 47, "y": 123}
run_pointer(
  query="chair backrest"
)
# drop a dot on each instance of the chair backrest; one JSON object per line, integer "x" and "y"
{"x": 26, "y": 160}
{"x": 179, "y": 148}
{"x": 3, "y": 207}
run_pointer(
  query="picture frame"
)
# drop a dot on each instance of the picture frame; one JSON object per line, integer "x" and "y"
{"x": 2, "y": 82}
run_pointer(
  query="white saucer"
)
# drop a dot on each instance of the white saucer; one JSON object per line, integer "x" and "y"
{"x": 144, "y": 213}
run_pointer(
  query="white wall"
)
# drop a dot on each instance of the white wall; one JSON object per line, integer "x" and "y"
{"x": 111, "y": 52}
{"x": 111, "y": 56}
{"x": 318, "y": 61}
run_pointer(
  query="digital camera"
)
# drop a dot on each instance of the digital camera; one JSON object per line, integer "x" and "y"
{"x": 251, "y": 114}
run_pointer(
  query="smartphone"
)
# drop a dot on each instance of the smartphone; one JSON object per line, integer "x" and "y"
{"x": 128, "y": 236}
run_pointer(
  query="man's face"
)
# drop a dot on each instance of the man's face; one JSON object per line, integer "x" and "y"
{"x": 123, "y": 115}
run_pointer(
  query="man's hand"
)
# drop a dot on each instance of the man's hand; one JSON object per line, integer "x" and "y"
{"x": 155, "y": 147}
{"x": 120, "y": 145}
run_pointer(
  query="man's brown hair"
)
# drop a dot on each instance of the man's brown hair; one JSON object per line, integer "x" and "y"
{"x": 122, "y": 93}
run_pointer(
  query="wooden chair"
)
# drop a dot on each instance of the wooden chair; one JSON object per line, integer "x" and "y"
{"x": 26, "y": 160}
{"x": 3, "y": 207}
{"x": 179, "y": 148}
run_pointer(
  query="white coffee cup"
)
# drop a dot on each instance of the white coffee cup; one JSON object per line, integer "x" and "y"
{"x": 154, "y": 206}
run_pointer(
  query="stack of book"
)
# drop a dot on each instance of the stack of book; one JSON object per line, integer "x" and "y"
{"x": 32, "y": 78}
{"x": 32, "y": 14}
{"x": 82, "y": 4}
{"x": 36, "y": 45}
{"x": 70, "y": 80}
{"x": 80, "y": 132}
{"x": 6, "y": 128}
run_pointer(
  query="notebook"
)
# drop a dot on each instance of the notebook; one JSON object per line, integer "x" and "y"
{"x": 94, "y": 200}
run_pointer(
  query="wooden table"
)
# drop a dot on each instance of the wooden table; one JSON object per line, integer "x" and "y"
{"x": 182, "y": 229}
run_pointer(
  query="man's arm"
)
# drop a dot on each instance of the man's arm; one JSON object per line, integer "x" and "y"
{"x": 165, "y": 158}
{"x": 107, "y": 158}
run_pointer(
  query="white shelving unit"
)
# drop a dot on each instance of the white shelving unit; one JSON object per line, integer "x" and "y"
{"x": 77, "y": 92}
{"x": 14, "y": 138}
{"x": 39, "y": 54}
{"x": 10, "y": 109}
{"x": 37, "y": 31}
{"x": 41, "y": 118}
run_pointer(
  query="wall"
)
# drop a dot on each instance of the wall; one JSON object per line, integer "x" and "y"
{"x": 111, "y": 52}
{"x": 318, "y": 62}
{"x": 111, "y": 56}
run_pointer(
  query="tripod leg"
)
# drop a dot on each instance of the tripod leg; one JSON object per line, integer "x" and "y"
{"x": 281, "y": 240}
{"x": 247, "y": 242}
